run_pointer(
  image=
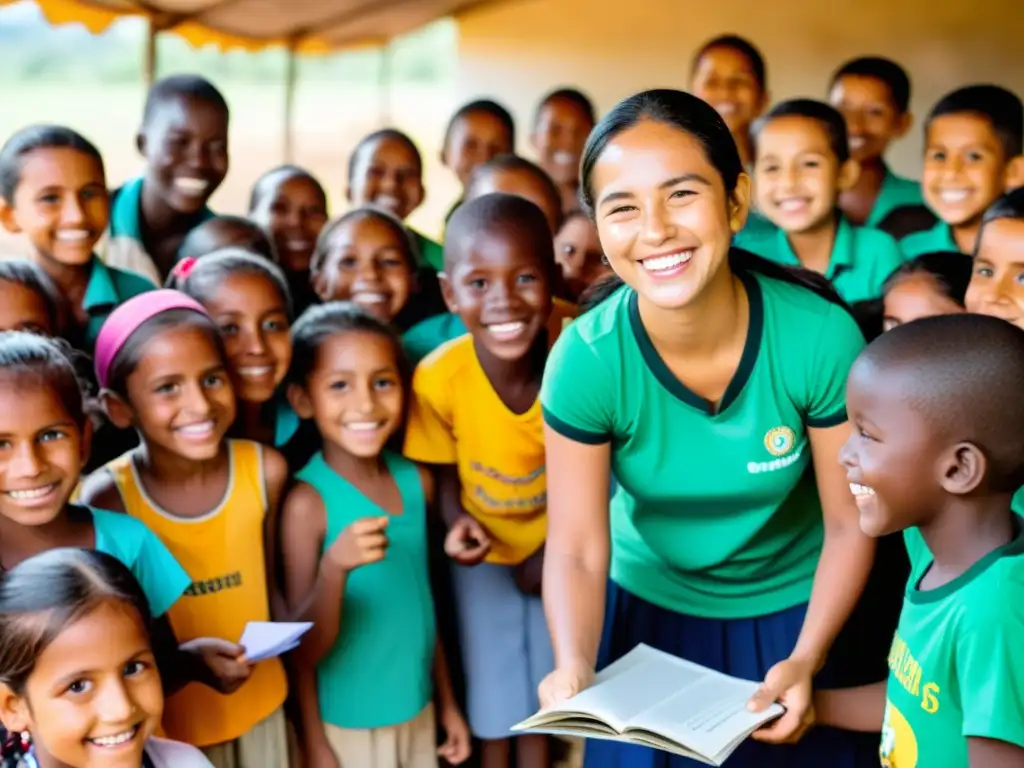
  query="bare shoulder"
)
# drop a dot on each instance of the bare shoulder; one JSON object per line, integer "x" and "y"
{"x": 303, "y": 506}
{"x": 275, "y": 470}
{"x": 100, "y": 490}
{"x": 429, "y": 486}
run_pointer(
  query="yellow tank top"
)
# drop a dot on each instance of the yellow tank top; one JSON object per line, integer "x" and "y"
{"x": 222, "y": 552}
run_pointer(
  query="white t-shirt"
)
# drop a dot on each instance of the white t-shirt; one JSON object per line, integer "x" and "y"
{"x": 164, "y": 754}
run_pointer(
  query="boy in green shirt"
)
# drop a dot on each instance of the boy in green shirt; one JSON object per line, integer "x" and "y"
{"x": 973, "y": 144}
{"x": 873, "y": 95}
{"x": 936, "y": 452}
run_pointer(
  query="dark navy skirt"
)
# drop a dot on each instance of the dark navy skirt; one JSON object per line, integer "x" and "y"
{"x": 745, "y": 648}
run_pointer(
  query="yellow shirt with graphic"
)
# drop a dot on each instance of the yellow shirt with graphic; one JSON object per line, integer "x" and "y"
{"x": 223, "y": 554}
{"x": 456, "y": 417}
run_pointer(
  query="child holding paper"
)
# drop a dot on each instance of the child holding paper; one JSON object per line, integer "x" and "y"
{"x": 161, "y": 364}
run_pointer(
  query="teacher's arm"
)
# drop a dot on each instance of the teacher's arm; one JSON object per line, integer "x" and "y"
{"x": 575, "y": 561}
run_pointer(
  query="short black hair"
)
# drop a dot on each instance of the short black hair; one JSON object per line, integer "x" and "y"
{"x": 503, "y": 215}
{"x": 573, "y": 96}
{"x": 402, "y": 233}
{"x": 951, "y": 271}
{"x": 885, "y": 71}
{"x": 485, "y": 107}
{"x": 263, "y": 187}
{"x": 47, "y": 362}
{"x": 515, "y": 163}
{"x": 208, "y": 237}
{"x": 30, "y": 275}
{"x": 825, "y": 114}
{"x": 181, "y": 87}
{"x": 966, "y": 374}
{"x": 1009, "y": 206}
{"x": 132, "y": 351}
{"x": 1001, "y": 108}
{"x": 38, "y": 137}
{"x": 740, "y": 45}
{"x": 384, "y": 134}
{"x": 209, "y": 273}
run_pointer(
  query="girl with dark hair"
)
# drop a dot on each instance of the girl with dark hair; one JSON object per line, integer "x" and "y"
{"x": 713, "y": 381}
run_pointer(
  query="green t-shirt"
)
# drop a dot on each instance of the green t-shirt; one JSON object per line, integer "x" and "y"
{"x": 862, "y": 258}
{"x": 896, "y": 192}
{"x": 431, "y": 253}
{"x": 716, "y": 513}
{"x": 379, "y": 673}
{"x": 938, "y": 238}
{"x": 107, "y": 289}
{"x": 427, "y": 335}
{"x": 956, "y": 664}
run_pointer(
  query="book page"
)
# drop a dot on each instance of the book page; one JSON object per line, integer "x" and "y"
{"x": 624, "y": 689}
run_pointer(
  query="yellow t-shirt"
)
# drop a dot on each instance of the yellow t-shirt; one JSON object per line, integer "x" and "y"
{"x": 223, "y": 554}
{"x": 456, "y": 417}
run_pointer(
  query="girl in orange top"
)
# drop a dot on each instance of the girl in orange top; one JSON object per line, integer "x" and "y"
{"x": 161, "y": 364}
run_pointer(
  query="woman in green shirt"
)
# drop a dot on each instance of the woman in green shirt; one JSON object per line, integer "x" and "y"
{"x": 712, "y": 383}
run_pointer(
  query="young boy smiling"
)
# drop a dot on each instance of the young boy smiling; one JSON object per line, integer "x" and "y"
{"x": 937, "y": 451}
{"x": 973, "y": 144}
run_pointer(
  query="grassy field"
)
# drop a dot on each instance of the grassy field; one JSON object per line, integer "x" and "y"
{"x": 329, "y": 120}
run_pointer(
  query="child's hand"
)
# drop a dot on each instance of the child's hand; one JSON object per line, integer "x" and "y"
{"x": 528, "y": 573}
{"x": 467, "y": 542}
{"x": 225, "y": 664}
{"x": 457, "y": 744}
{"x": 362, "y": 543}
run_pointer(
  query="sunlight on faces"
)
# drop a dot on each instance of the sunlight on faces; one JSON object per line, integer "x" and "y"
{"x": 725, "y": 80}
{"x": 914, "y": 297}
{"x": 253, "y": 320}
{"x": 61, "y": 204}
{"x": 521, "y": 183}
{"x": 387, "y": 174}
{"x": 501, "y": 289}
{"x": 997, "y": 283}
{"x": 872, "y": 120}
{"x": 797, "y": 176}
{"x": 186, "y": 149}
{"x": 42, "y": 450}
{"x": 354, "y": 393}
{"x": 964, "y": 167}
{"x": 180, "y": 396}
{"x": 367, "y": 264}
{"x": 22, "y": 309}
{"x": 561, "y": 131}
{"x": 475, "y": 138}
{"x": 94, "y": 696}
{"x": 663, "y": 215}
{"x": 293, "y": 214}
{"x": 892, "y": 454}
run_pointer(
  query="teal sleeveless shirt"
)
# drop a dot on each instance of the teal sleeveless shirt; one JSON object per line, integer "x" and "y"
{"x": 380, "y": 671}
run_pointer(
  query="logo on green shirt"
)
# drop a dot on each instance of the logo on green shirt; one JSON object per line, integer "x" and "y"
{"x": 779, "y": 441}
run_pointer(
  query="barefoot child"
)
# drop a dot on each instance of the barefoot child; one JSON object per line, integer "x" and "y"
{"x": 937, "y": 452}
{"x": 248, "y": 299}
{"x": 29, "y": 301}
{"x": 184, "y": 141}
{"x": 78, "y": 666}
{"x": 53, "y": 190}
{"x": 354, "y": 543}
{"x": 802, "y": 164}
{"x": 161, "y": 365}
{"x": 291, "y": 206}
{"x": 477, "y": 419}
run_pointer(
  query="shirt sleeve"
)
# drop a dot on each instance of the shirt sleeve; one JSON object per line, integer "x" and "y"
{"x": 989, "y": 667}
{"x": 429, "y": 435}
{"x": 161, "y": 577}
{"x": 839, "y": 342}
{"x": 577, "y": 395}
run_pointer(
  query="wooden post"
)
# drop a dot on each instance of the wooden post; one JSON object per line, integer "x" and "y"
{"x": 291, "y": 78}
{"x": 384, "y": 85}
{"x": 149, "y": 63}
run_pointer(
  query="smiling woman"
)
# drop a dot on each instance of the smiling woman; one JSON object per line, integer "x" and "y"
{"x": 727, "y": 555}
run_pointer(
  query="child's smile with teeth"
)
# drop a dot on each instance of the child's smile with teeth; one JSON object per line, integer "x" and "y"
{"x": 666, "y": 262}
{"x": 115, "y": 740}
{"x": 861, "y": 491}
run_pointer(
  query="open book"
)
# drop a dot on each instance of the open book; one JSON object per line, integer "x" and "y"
{"x": 657, "y": 700}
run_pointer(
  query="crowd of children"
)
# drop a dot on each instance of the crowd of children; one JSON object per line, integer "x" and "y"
{"x": 633, "y": 373}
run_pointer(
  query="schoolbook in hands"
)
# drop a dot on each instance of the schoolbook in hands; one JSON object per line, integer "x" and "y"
{"x": 657, "y": 700}
{"x": 264, "y": 640}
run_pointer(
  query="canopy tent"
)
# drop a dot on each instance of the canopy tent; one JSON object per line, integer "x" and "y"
{"x": 299, "y": 26}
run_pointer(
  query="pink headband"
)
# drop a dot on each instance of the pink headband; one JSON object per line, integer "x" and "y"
{"x": 125, "y": 320}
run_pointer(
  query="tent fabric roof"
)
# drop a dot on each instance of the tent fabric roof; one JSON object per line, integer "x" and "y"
{"x": 312, "y": 26}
